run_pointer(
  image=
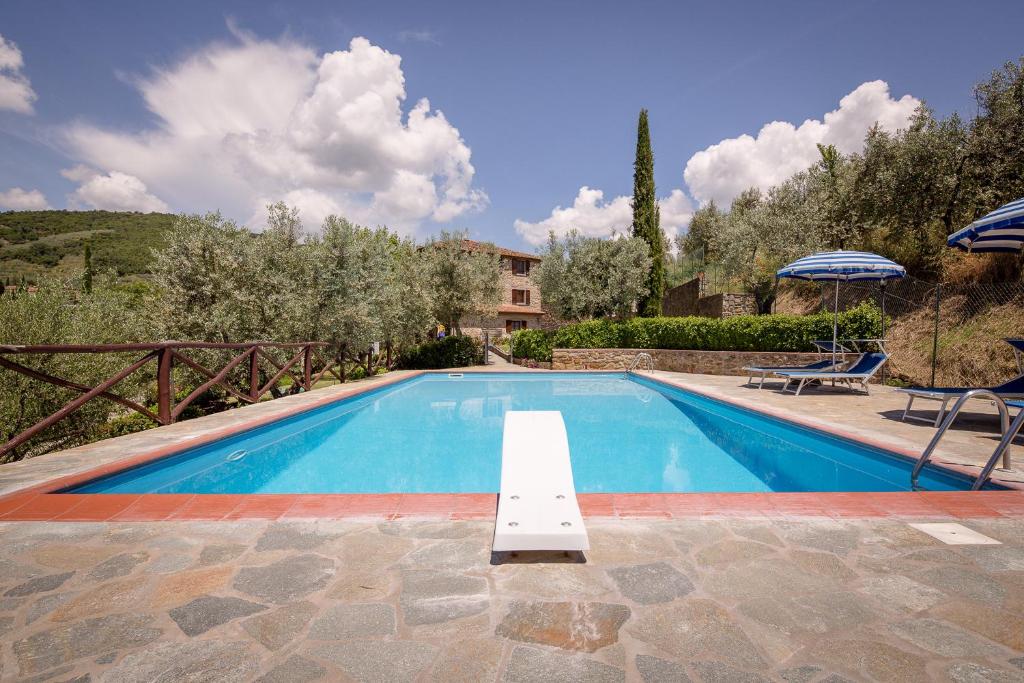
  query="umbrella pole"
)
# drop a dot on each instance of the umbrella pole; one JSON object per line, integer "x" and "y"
{"x": 835, "y": 325}
{"x": 882, "y": 344}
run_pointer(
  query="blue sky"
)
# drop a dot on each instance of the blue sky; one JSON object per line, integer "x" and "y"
{"x": 544, "y": 97}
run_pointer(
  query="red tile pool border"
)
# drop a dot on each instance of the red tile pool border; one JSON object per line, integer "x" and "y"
{"x": 40, "y": 503}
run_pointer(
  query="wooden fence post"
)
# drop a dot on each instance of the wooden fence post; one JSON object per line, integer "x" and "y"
{"x": 165, "y": 384}
{"x": 307, "y": 368}
{"x": 254, "y": 375}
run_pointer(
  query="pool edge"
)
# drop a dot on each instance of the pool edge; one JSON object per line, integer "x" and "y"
{"x": 41, "y": 502}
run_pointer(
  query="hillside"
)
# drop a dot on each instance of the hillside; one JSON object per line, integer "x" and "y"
{"x": 34, "y": 243}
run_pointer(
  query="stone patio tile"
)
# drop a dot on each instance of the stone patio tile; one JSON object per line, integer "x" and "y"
{"x": 367, "y": 550}
{"x": 810, "y": 613}
{"x": 969, "y": 672}
{"x": 287, "y": 579}
{"x": 453, "y": 555}
{"x": 118, "y": 565}
{"x": 585, "y": 626}
{"x": 697, "y": 628}
{"x": 42, "y": 584}
{"x": 651, "y": 583}
{"x": 999, "y": 626}
{"x": 122, "y": 595}
{"x": 86, "y": 638}
{"x": 717, "y": 672}
{"x": 430, "y": 596}
{"x": 901, "y": 592}
{"x": 347, "y": 621}
{"x": 657, "y": 670}
{"x": 210, "y": 611}
{"x": 295, "y": 669}
{"x": 551, "y": 581}
{"x": 618, "y": 543}
{"x": 960, "y": 582}
{"x": 528, "y": 664}
{"x": 194, "y": 661}
{"x": 731, "y": 551}
{"x": 277, "y": 628}
{"x": 220, "y": 553}
{"x": 373, "y": 661}
{"x": 292, "y": 536}
{"x": 469, "y": 660}
{"x": 944, "y": 639}
{"x": 878, "y": 660}
{"x": 179, "y": 588}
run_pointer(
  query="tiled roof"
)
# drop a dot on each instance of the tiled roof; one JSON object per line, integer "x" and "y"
{"x": 473, "y": 245}
{"x": 520, "y": 309}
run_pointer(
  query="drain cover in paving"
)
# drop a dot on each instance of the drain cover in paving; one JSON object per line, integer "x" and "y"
{"x": 951, "y": 533}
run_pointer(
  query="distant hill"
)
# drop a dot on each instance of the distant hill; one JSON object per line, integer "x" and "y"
{"x": 37, "y": 243}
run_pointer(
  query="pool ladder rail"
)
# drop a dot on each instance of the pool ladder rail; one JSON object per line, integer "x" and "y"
{"x": 1010, "y": 431}
{"x": 642, "y": 358}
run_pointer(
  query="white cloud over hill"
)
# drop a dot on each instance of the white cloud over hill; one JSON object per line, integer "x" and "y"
{"x": 16, "y": 93}
{"x": 18, "y": 199}
{"x": 241, "y": 124}
{"x": 723, "y": 170}
{"x": 780, "y": 149}
{"x": 114, "y": 191}
{"x": 594, "y": 217}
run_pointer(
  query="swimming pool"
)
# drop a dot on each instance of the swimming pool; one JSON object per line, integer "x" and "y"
{"x": 440, "y": 434}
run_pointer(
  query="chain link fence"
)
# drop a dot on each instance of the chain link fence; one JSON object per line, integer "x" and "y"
{"x": 939, "y": 334}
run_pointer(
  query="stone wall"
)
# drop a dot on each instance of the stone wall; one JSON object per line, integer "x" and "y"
{"x": 727, "y": 305}
{"x": 682, "y": 299}
{"x": 673, "y": 360}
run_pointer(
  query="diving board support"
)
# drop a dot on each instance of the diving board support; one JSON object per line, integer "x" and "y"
{"x": 537, "y": 508}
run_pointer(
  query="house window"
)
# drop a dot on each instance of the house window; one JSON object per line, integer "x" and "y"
{"x": 521, "y": 297}
{"x": 513, "y": 325}
{"x": 520, "y": 266}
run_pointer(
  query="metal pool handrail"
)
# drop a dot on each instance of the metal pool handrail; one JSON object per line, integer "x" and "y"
{"x": 642, "y": 358}
{"x": 1009, "y": 431}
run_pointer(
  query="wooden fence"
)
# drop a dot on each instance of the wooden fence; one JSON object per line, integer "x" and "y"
{"x": 305, "y": 368}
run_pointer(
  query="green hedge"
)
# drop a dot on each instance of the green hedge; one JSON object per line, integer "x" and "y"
{"x": 742, "y": 333}
{"x": 450, "y": 352}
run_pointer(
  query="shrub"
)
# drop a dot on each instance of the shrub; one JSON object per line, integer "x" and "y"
{"x": 742, "y": 333}
{"x": 450, "y": 352}
{"x": 533, "y": 344}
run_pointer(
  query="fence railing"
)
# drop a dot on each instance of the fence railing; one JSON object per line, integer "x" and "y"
{"x": 305, "y": 366}
{"x": 941, "y": 333}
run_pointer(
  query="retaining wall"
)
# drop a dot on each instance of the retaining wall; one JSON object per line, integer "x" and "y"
{"x": 673, "y": 360}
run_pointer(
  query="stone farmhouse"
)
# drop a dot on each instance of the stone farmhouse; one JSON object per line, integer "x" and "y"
{"x": 520, "y": 306}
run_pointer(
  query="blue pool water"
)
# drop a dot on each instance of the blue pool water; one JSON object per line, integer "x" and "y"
{"x": 436, "y": 434}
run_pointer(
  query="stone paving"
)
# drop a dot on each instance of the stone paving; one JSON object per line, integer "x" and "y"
{"x": 711, "y": 600}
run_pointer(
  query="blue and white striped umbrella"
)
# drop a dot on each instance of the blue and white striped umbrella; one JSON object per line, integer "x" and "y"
{"x": 1001, "y": 230}
{"x": 843, "y": 265}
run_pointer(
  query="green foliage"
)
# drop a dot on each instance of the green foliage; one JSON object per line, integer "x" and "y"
{"x": 741, "y": 333}
{"x": 901, "y": 196}
{"x": 585, "y": 277}
{"x": 647, "y": 218}
{"x": 450, "y": 352}
{"x": 59, "y": 313}
{"x": 41, "y": 243}
{"x": 462, "y": 282}
{"x": 534, "y": 344}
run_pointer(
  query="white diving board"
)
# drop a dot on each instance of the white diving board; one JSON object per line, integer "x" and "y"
{"x": 537, "y": 508}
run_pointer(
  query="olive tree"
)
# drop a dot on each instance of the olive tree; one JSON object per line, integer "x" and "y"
{"x": 588, "y": 277}
{"x": 462, "y": 282}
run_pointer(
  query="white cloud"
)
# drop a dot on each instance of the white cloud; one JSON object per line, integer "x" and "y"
{"x": 253, "y": 121}
{"x": 781, "y": 149}
{"x": 590, "y": 215}
{"x": 18, "y": 199}
{"x": 114, "y": 191}
{"x": 16, "y": 92}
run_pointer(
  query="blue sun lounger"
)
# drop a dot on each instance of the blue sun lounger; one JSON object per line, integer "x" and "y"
{"x": 860, "y": 373}
{"x": 766, "y": 370}
{"x": 824, "y": 346}
{"x": 1012, "y": 389}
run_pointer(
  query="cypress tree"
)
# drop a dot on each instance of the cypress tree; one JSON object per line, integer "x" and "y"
{"x": 87, "y": 279}
{"x": 647, "y": 218}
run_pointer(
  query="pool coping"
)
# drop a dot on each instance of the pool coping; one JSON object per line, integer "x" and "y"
{"x": 41, "y": 502}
